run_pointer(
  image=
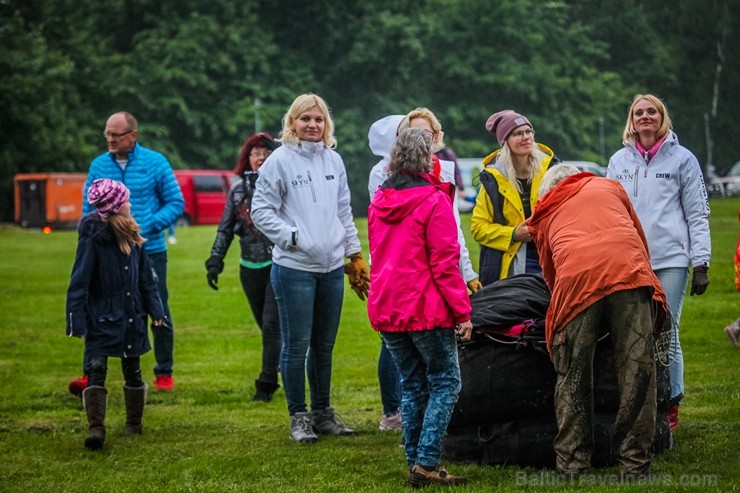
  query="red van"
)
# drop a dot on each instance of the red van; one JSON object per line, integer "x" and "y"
{"x": 205, "y": 192}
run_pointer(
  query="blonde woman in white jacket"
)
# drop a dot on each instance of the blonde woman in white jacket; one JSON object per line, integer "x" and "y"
{"x": 302, "y": 205}
{"x": 666, "y": 187}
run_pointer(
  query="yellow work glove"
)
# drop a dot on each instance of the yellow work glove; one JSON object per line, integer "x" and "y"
{"x": 474, "y": 285}
{"x": 356, "y": 272}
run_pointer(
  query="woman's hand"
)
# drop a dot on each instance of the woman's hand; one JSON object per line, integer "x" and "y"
{"x": 464, "y": 331}
{"x": 522, "y": 233}
{"x": 157, "y": 323}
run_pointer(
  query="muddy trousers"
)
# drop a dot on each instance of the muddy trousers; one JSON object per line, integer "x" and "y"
{"x": 628, "y": 316}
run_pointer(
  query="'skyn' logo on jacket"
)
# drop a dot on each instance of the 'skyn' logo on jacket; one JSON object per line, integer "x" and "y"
{"x": 625, "y": 175}
{"x": 299, "y": 182}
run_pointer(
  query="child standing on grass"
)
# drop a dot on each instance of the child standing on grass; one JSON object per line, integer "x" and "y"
{"x": 111, "y": 291}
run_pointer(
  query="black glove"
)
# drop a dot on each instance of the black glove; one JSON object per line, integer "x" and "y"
{"x": 700, "y": 280}
{"x": 214, "y": 266}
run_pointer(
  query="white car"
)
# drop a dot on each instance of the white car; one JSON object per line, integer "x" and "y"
{"x": 470, "y": 168}
{"x": 589, "y": 166}
{"x": 732, "y": 181}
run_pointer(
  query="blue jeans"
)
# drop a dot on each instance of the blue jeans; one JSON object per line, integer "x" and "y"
{"x": 674, "y": 281}
{"x": 430, "y": 384}
{"x": 389, "y": 380}
{"x": 309, "y": 307}
{"x": 164, "y": 335}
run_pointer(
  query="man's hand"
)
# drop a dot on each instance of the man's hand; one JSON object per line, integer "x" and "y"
{"x": 356, "y": 272}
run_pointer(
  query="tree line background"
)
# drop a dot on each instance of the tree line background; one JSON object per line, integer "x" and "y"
{"x": 200, "y": 76}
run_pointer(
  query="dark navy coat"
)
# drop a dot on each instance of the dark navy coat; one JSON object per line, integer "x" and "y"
{"x": 110, "y": 293}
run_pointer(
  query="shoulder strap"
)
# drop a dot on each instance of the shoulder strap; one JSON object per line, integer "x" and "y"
{"x": 554, "y": 161}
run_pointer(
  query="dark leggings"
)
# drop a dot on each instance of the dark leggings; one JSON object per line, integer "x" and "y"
{"x": 257, "y": 288}
{"x": 98, "y": 369}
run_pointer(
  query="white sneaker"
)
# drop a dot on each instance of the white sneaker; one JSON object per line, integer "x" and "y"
{"x": 391, "y": 422}
{"x": 733, "y": 332}
{"x": 300, "y": 428}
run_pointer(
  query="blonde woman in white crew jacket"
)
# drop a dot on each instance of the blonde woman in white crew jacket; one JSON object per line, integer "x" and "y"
{"x": 302, "y": 205}
{"x": 666, "y": 187}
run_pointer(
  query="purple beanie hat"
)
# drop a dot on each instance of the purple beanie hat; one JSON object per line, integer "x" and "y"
{"x": 504, "y": 122}
{"x": 107, "y": 196}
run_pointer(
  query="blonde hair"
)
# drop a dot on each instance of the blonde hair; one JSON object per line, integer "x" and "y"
{"x": 533, "y": 164}
{"x": 438, "y": 137}
{"x": 630, "y": 134}
{"x": 411, "y": 153}
{"x": 126, "y": 230}
{"x": 300, "y": 105}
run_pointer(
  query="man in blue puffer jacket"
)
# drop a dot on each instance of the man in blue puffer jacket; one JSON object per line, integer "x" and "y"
{"x": 156, "y": 203}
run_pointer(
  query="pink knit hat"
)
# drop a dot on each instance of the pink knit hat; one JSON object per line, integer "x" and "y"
{"x": 504, "y": 122}
{"x": 107, "y": 196}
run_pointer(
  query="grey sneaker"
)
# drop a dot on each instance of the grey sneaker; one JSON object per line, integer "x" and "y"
{"x": 328, "y": 422}
{"x": 300, "y": 428}
{"x": 733, "y": 332}
{"x": 391, "y": 422}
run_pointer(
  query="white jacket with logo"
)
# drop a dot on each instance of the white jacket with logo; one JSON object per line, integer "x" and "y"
{"x": 671, "y": 201}
{"x": 302, "y": 205}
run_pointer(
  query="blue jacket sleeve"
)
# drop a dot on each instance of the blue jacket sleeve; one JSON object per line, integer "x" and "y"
{"x": 170, "y": 197}
{"x": 148, "y": 288}
{"x": 78, "y": 318}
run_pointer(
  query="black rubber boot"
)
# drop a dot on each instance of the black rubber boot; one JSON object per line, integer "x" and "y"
{"x": 135, "y": 398}
{"x": 265, "y": 391}
{"x": 95, "y": 400}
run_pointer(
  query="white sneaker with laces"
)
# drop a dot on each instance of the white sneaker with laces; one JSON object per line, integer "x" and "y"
{"x": 733, "y": 332}
{"x": 301, "y": 429}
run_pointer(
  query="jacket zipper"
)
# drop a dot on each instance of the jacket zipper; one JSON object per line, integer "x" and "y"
{"x": 637, "y": 178}
{"x": 310, "y": 182}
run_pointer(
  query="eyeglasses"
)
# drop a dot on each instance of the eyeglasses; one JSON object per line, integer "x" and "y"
{"x": 263, "y": 154}
{"x": 114, "y": 135}
{"x": 520, "y": 134}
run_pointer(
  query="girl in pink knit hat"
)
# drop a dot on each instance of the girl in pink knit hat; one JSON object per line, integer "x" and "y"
{"x": 111, "y": 292}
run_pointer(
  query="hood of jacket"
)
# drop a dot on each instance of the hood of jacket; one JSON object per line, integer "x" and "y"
{"x": 559, "y": 194}
{"x": 401, "y": 195}
{"x": 305, "y": 148}
{"x": 382, "y": 134}
{"x": 92, "y": 226}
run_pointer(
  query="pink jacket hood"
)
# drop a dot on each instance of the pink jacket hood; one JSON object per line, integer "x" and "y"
{"x": 415, "y": 280}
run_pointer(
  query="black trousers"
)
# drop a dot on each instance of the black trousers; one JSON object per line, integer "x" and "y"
{"x": 98, "y": 370}
{"x": 261, "y": 298}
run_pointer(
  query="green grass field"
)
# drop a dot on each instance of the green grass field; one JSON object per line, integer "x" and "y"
{"x": 208, "y": 436}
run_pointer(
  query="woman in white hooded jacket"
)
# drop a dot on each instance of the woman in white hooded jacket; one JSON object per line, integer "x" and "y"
{"x": 666, "y": 187}
{"x": 302, "y": 205}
